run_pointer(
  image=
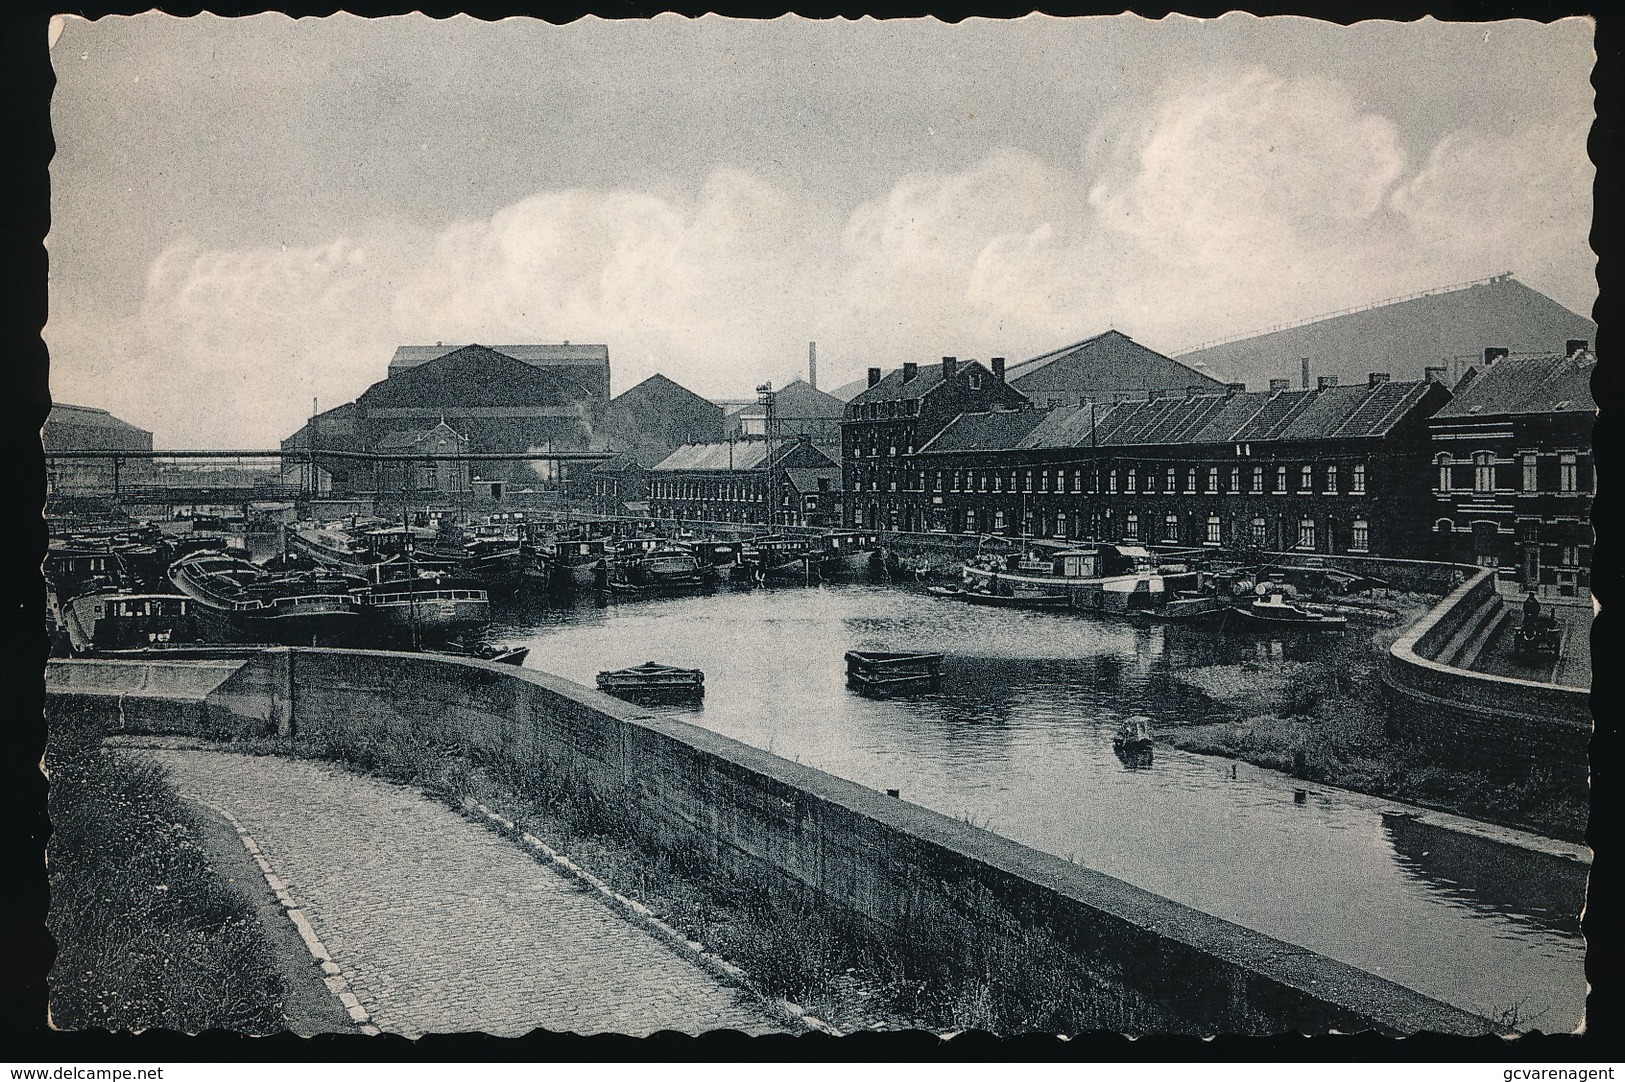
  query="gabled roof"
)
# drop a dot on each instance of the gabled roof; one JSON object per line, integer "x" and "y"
{"x": 1403, "y": 337}
{"x": 796, "y": 400}
{"x": 657, "y": 386}
{"x": 992, "y": 431}
{"x": 566, "y": 353}
{"x": 477, "y": 376}
{"x": 891, "y": 388}
{"x": 1553, "y": 384}
{"x": 1242, "y": 417}
{"x": 748, "y": 454}
{"x": 404, "y": 439}
{"x": 738, "y": 455}
{"x": 1110, "y": 360}
{"x": 805, "y": 479}
{"x": 66, "y": 413}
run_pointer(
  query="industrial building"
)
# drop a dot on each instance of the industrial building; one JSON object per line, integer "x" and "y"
{"x": 1448, "y": 328}
{"x": 741, "y": 481}
{"x": 86, "y": 428}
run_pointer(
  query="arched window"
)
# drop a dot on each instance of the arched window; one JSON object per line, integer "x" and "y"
{"x": 1169, "y": 485}
{"x": 1133, "y": 480}
{"x": 1362, "y": 536}
{"x": 1213, "y": 478}
{"x": 1060, "y": 524}
{"x": 1131, "y": 526}
{"x": 1444, "y": 525}
{"x": 1258, "y": 479}
{"x": 1213, "y": 529}
{"x": 1259, "y": 532}
{"x": 1170, "y": 528}
{"x": 1483, "y": 471}
{"x": 1190, "y": 480}
{"x": 1306, "y": 534}
{"x": 1280, "y": 478}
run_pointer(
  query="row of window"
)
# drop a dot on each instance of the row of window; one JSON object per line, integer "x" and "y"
{"x": 874, "y": 411}
{"x": 734, "y": 491}
{"x": 1485, "y": 476}
{"x": 1131, "y": 479}
{"x": 1173, "y": 531}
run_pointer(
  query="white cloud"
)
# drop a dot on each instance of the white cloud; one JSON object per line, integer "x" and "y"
{"x": 1230, "y": 206}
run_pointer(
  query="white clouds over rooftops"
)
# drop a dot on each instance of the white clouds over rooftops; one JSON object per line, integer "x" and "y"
{"x": 1231, "y": 202}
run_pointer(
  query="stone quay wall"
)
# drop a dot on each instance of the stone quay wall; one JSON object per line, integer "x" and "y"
{"x": 907, "y": 875}
{"x": 1466, "y": 717}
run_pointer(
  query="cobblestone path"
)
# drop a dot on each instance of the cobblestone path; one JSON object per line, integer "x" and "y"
{"x": 441, "y": 925}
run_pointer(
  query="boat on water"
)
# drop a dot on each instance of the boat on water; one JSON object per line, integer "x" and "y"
{"x": 482, "y": 650}
{"x": 1276, "y": 611}
{"x": 292, "y": 608}
{"x": 778, "y": 557}
{"x": 844, "y": 552}
{"x": 491, "y": 555}
{"x": 428, "y": 604}
{"x": 669, "y": 568}
{"x": 652, "y": 680}
{"x": 580, "y": 560}
{"x": 1105, "y": 578}
{"x": 115, "y": 623}
{"x": 886, "y": 672}
{"x": 1134, "y": 734}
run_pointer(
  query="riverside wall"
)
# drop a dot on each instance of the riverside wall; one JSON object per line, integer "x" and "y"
{"x": 915, "y": 879}
{"x": 1462, "y": 717}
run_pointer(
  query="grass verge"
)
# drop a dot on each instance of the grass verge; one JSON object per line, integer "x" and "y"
{"x": 147, "y": 935}
{"x": 1326, "y": 720}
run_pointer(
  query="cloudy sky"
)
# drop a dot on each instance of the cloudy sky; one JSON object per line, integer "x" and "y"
{"x": 249, "y": 214}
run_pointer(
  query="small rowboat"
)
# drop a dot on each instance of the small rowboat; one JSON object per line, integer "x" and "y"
{"x": 1134, "y": 734}
{"x": 944, "y": 591}
{"x": 876, "y": 672}
{"x": 652, "y": 679}
{"x": 1277, "y": 611}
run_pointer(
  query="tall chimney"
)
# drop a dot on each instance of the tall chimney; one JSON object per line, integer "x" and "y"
{"x": 1376, "y": 379}
{"x": 950, "y": 367}
{"x": 1493, "y": 354}
{"x": 1303, "y": 368}
{"x": 1323, "y": 382}
{"x": 1575, "y": 345}
{"x": 1280, "y": 384}
{"x": 998, "y": 368}
{"x": 874, "y": 376}
{"x": 1434, "y": 373}
{"x": 910, "y": 370}
{"x": 812, "y": 365}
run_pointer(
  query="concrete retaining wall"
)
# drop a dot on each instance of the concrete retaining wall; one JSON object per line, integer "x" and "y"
{"x": 1466, "y": 717}
{"x": 918, "y": 879}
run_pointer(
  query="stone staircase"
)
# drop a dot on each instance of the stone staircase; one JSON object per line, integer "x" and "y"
{"x": 1462, "y": 649}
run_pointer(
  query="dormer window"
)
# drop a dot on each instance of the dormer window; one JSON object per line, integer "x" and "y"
{"x": 974, "y": 381}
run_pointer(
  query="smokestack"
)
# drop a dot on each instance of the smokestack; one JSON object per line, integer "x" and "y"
{"x": 1575, "y": 345}
{"x": 1280, "y": 384}
{"x": 874, "y": 376}
{"x": 1323, "y": 382}
{"x": 910, "y": 370}
{"x": 1493, "y": 354}
{"x": 950, "y": 368}
{"x": 1434, "y": 373}
{"x": 1376, "y": 379}
{"x": 812, "y": 365}
{"x": 1303, "y": 368}
{"x": 998, "y": 368}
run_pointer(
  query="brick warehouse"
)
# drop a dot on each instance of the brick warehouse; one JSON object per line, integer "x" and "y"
{"x": 893, "y": 417}
{"x": 735, "y": 482}
{"x": 1513, "y": 471}
{"x": 1330, "y": 470}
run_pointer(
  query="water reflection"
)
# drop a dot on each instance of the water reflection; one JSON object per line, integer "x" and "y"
{"x": 1019, "y": 737}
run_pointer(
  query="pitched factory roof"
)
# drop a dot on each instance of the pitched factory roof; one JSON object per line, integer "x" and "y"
{"x": 1111, "y": 360}
{"x": 739, "y": 455}
{"x": 568, "y": 353}
{"x": 805, "y": 479}
{"x": 1554, "y": 384}
{"x": 67, "y": 413}
{"x": 1242, "y": 417}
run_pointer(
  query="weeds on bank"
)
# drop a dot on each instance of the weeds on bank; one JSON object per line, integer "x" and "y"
{"x": 147, "y": 935}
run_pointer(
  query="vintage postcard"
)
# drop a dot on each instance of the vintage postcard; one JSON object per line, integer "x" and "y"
{"x": 1039, "y": 525}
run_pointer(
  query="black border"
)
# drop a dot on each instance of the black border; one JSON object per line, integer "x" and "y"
{"x": 25, "y": 75}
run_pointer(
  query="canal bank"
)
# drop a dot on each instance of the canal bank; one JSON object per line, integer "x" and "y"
{"x": 1110, "y": 954}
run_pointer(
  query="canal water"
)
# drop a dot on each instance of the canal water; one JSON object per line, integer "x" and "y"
{"x": 1018, "y": 740}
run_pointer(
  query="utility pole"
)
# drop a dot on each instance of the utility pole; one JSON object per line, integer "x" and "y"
{"x": 768, "y": 398}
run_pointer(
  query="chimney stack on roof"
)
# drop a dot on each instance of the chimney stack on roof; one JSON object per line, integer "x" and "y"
{"x": 1376, "y": 379}
{"x": 874, "y": 376}
{"x": 1323, "y": 382}
{"x": 1575, "y": 345}
{"x": 1493, "y": 354}
{"x": 1280, "y": 384}
{"x": 998, "y": 369}
{"x": 950, "y": 368}
{"x": 910, "y": 370}
{"x": 1235, "y": 388}
{"x": 1434, "y": 373}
